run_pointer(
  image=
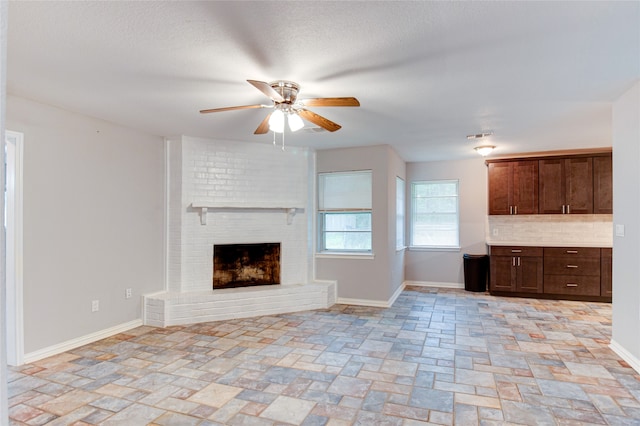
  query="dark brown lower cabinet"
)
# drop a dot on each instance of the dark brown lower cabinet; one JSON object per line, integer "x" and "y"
{"x": 553, "y": 272}
{"x": 516, "y": 269}
{"x": 572, "y": 271}
{"x": 606, "y": 267}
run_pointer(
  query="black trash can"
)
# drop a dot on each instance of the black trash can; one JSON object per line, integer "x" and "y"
{"x": 476, "y": 271}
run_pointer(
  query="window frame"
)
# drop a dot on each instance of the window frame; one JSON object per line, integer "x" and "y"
{"x": 321, "y": 215}
{"x": 401, "y": 213}
{"x": 412, "y": 218}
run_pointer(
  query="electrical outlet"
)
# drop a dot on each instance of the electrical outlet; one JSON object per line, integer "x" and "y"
{"x": 95, "y": 305}
{"x": 127, "y": 293}
{"x": 619, "y": 230}
{"x": 496, "y": 231}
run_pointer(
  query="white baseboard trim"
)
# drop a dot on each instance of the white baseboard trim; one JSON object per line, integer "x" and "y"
{"x": 80, "y": 341}
{"x": 625, "y": 355}
{"x": 396, "y": 294}
{"x": 434, "y": 284}
{"x": 362, "y": 302}
{"x": 372, "y": 303}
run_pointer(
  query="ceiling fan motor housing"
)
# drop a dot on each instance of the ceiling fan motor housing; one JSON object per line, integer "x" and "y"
{"x": 287, "y": 89}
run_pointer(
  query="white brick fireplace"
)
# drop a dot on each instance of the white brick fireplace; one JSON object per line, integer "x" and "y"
{"x": 230, "y": 193}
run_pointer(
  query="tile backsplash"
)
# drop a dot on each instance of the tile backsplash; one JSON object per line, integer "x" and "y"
{"x": 578, "y": 229}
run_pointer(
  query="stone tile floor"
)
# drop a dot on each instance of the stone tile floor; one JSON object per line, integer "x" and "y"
{"x": 437, "y": 356}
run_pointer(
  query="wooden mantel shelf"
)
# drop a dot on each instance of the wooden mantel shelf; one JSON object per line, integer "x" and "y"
{"x": 205, "y": 207}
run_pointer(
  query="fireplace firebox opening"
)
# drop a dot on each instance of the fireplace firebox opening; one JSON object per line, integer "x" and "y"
{"x": 244, "y": 265}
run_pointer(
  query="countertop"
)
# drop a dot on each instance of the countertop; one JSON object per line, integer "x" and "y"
{"x": 548, "y": 244}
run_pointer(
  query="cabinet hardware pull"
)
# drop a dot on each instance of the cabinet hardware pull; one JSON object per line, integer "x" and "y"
{"x": 510, "y": 209}
{"x": 568, "y": 209}
{"x": 572, "y": 266}
{"x": 513, "y": 261}
{"x": 572, "y": 285}
{"x": 518, "y": 260}
{"x": 572, "y": 251}
{"x": 563, "y": 209}
{"x": 515, "y": 209}
{"x": 516, "y": 251}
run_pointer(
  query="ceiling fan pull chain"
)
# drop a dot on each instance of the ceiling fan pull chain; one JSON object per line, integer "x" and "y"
{"x": 274, "y": 138}
{"x": 283, "y": 141}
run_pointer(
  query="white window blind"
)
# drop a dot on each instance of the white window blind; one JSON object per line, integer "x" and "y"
{"x": 344, "y": 191}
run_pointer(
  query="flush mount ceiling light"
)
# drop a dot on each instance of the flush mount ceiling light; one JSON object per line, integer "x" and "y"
{"x": 484, "y": 150}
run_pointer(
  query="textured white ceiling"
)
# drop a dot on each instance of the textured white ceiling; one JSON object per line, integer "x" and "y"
{"x": 540, "y": 75}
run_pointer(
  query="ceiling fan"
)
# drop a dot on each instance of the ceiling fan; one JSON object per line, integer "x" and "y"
{"x": 284, "y": 95}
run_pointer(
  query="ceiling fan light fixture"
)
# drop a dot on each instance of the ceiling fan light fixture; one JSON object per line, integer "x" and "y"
{"x": 295, "y": 122}
{"x": 484, "y": 150}
{"x": 284, "y": 95}
{"x": 276, "y": 121}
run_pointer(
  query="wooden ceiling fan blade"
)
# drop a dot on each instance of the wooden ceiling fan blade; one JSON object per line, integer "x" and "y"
{"x": 207, "y": 111}
{"x": 331, "y": 102}
{"x": 264, "y": 126}
{"x": 319, "y": 120}
{"x": 267, "y": 90}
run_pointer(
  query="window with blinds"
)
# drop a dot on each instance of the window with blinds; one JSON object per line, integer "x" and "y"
{"x": 344, "y": 211}
{"x": 434, "y": 214}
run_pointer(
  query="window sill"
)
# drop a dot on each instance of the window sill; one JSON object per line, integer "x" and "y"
{"x": 344, "y": 255}
{"x": 420, "y": 248}
{"x": 399, "y": 249}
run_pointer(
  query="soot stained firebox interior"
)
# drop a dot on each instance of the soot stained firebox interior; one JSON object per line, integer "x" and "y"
{"x": 244, "y": 265}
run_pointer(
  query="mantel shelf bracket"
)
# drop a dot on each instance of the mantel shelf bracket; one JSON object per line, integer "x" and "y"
{"x": 203, "y": 215}
{"x": 290, "y": 214}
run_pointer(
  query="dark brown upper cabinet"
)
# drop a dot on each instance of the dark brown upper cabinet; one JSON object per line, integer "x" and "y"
{"x": 566, "y": 185}
{"x": 513, "y": 187}
{"x": 603, "y": 184}
{"x": 551, "y": 184}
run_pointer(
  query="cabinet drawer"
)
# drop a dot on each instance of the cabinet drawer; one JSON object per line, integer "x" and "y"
{"x": 516, "y": 251}
{"x": 573, "y": 285}
{"x": 607, "y": 253}
{"x": 572, "y": 251}
{"x": 578, "y": 266}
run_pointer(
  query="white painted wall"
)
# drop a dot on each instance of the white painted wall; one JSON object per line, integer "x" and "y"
{"x": 447, "y": 266}
{"x": 626, "y": 212}
{"x": 374, "y": 279}
{"x": 93, "y": 221}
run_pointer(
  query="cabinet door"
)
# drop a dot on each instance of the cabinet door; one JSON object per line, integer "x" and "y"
{"x": 529, "y": 275}
{"x": 579, "y": 185}
{"x": 602, "y": 185}
{"x": 551, "y": 186}
{"x": 502, "y": 273}
{"x": 499, "y": 188}
{"x": 525, "y": 187}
